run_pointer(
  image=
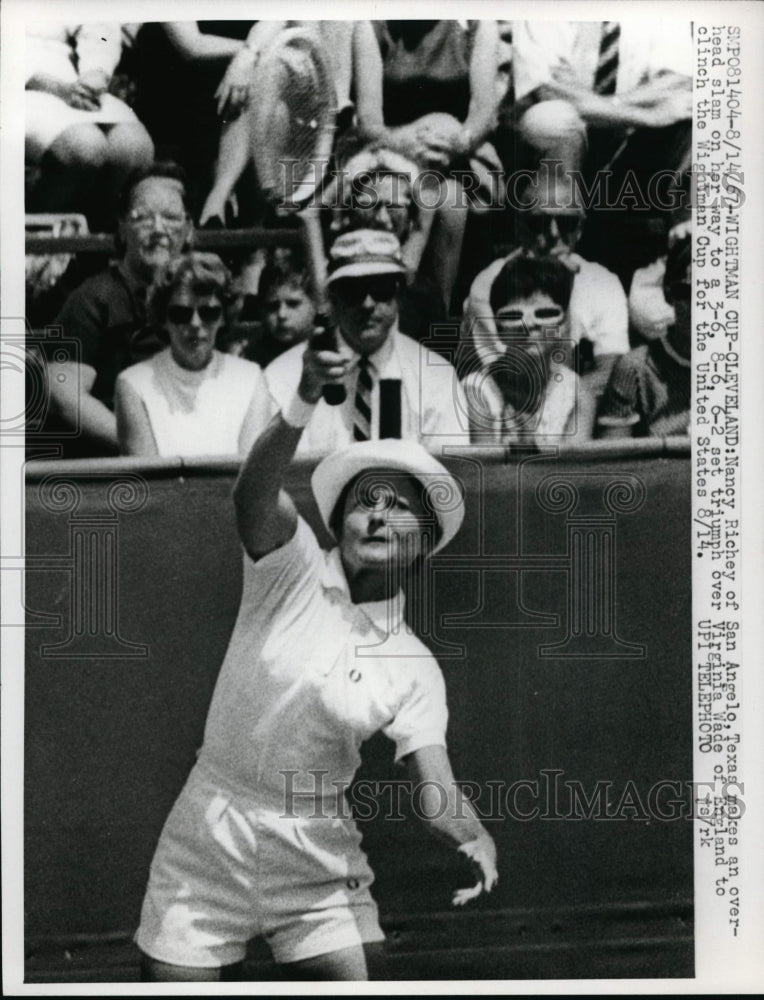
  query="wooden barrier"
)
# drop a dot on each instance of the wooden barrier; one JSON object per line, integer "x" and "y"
{"x": 132, "y": 588}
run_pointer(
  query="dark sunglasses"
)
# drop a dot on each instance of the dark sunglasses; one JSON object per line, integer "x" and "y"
{"x": 180, "y": 315}
{"x": 382, "y": 288}
{"x": 566, "y": 224}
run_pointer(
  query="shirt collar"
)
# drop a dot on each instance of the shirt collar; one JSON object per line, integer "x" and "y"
{"x": 385, "y": 615}
{"x": 380, "y": 358}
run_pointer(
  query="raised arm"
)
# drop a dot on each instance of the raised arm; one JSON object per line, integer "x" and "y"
{"x": 457, "y": 824}
{"x": 265, "y": 515}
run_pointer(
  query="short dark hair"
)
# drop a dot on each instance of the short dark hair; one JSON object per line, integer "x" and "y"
{"x": 203, "y": 273}
{"x": 161, "y": 169}
{"x": 523, "y": 275}
{"x": 289, "y": 270}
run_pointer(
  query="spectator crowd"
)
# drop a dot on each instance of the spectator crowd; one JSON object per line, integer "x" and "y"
{"x": 506, "y": 220}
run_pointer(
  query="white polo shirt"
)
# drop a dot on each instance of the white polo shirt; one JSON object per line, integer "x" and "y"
{"x": 432, "y": 400}
{"x": 308, "y": 676}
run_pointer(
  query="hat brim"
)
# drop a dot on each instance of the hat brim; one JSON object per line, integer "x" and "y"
{"x": 443, "y": 492}
{"x": 362, "y": 269}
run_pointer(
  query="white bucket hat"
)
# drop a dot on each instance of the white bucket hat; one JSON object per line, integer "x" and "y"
{"x": 363, "y": 252}
{"x": 443, "y": 493}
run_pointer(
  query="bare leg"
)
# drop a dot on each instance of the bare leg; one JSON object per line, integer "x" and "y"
{"x": 233, "y": 155}
{"x": 154, "y": 971}
{"x": 129, "y": 146}
{"x": 69, "y": 170}
{"x": 445, "y": 247}
{"x": 359, "y": 963}
{"x": 555, "y": 131}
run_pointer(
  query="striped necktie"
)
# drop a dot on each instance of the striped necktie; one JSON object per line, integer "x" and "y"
{"x": 607, "y": 61}
{"x": 362, "y": 417}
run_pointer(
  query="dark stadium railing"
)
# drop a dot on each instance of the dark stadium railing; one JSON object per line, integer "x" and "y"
{"x": 116, "y": 698}
{"x": 218, "y": 239}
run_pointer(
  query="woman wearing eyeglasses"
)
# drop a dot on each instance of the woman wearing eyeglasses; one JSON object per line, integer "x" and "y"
{"x": 191, "y": 399}
{"x": 521, "y": 390}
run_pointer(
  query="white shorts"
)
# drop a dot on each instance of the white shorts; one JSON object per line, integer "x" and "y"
{"x": 226, "y": 870}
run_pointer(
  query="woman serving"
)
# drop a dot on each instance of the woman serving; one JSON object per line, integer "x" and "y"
{"x": 317, "y": 664}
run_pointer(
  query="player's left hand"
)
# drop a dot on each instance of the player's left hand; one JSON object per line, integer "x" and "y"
{"x": 481, "y": 852}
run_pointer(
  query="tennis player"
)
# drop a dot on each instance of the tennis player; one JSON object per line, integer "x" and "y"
{"x": 260, "y": 841}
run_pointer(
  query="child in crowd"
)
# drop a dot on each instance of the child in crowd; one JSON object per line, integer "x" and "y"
{"x": 286, "y": 308}
{"x": 521, "y": 390}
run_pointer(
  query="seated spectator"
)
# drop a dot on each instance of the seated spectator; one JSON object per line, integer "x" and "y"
{"x": 597, "y": 313}
{"x": 376, "y": 192}
{"x": 191, "y": 399}
{"x": 522, "y": 392}
{"x": 193, "y": 82}
{"x": 650, "y": 387}
{"x": 393, "y": 388}
{"x": 337, "y": 40}
{"x": 597, "y": 94}
{"x": 429, "y": 92}
{"x": 106, "y": 316}
{"x": 80, "y": 141}
{"x": 650, "y": 315}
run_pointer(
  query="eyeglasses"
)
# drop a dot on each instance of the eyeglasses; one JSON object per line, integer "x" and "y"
{"x": 541, "y": 223}
{"x": 181, "y": 315}
{"x": 142, "y": 219}
{"x": 519, "y": 320}
{"x": 381, "y": 288}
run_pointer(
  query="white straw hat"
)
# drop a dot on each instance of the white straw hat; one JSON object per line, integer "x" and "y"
{"x": 443, "y": 495}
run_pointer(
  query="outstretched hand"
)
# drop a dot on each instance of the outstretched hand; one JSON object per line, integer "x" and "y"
{"x": 482, "y": 855}
{"x": 233, "y": 92}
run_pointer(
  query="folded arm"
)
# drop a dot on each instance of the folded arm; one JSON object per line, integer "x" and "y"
{"x": 69, "y": 387}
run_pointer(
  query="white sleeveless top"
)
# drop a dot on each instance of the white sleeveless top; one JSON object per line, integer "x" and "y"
{"x": 201, "y": 413}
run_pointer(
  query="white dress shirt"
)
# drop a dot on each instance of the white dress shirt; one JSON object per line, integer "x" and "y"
{"x": 645, "y": 48}
{"x": 433, "y": 410}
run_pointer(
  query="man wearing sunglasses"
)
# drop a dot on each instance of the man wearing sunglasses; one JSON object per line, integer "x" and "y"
{"x": 392, "y": 387}
{"x": 649, "y": 391}
{"x": 549, "y": 225}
